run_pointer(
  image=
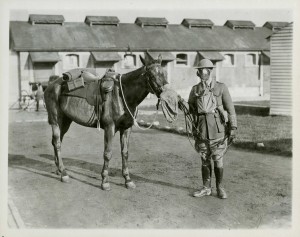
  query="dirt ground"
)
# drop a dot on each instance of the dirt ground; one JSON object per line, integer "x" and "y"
{"x": 165, "y": 169}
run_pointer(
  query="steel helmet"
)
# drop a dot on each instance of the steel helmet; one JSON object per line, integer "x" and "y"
{"x": 204, "y": 63}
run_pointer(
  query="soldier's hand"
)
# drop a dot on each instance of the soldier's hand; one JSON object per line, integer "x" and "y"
{"x": 180, "y": 98}
{"x": 232, "y": 134}
{"x": 182, "y": 101}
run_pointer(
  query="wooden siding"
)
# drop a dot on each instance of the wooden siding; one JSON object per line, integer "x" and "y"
{"x": 281, "y": 71}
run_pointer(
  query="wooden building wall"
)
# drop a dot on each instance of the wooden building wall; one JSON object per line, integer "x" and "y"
{"x": 281, "y": 71}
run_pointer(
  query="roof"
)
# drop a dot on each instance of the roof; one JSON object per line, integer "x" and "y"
{"x": 166, "y": 56}
{"x": 151, "y": 21}
{"x": 78, "y": 36}
{"x": 197, "y": 23}
{"x": 46, "y": 19}
{"x": 275, "y": 25}
{"x": 106, "y": 56}
{"x": 211, "y": 55}
{"x": 102, "y": 20}
{"x": 44, "y": 57}
{"x": 288, "y": 27}
{"x": 239, "y": 24}
{"x": 267, "y": 53}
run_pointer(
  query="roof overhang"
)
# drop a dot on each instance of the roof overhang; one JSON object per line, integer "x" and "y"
{"x": 106, "y": 56}
{"x": 38, "y": 57}
{"x": 266, "y": 53}
{"x": 166, "y": 56}
{"x": 211, "y": 55}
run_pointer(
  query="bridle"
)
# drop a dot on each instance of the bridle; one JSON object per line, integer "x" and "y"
{"x": 154, "y": 87}
{"x": 151, "y": 80}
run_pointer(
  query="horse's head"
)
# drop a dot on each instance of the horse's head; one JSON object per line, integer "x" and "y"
{"x": 155, "y": 74}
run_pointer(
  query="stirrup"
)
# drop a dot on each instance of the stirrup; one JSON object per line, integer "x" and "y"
{"x": 204, "y": 191}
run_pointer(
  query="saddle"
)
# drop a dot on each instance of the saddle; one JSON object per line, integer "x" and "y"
{"x": 94, "y": 89}
{"x": 91, "y": 87}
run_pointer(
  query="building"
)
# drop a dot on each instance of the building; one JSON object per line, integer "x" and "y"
{"x": 46, "y": 45}
{"x": 281, "y": 71}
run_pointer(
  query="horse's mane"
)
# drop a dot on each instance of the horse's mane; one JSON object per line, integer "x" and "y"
{"x": 129, "y": 76}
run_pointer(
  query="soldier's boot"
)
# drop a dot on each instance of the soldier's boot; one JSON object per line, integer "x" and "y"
{"x": 37, "y": 105}
{"x": 219, "y": 178}
{"x": 206, "y": 177}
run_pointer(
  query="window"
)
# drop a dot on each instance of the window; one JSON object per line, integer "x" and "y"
{"x": 181, "y": 59}
{"x": 251, "y": 60}
{"x": 229, "y": 60}
{"x": 71, "y": 61}
{"x": 129, "y": 61}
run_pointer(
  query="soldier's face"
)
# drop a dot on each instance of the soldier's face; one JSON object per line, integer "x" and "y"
{"x": 204, "y": 73}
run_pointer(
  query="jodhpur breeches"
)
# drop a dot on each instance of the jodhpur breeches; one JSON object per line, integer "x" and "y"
{"x": 212, "y": 149}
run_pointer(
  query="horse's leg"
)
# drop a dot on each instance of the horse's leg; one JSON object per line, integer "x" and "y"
{"x": 58, "y": 132}
{"x": 109, "y": 133}
{"x": 56, "y": 142}
{"x": 64, "y": 127}
{"x": 124, "y": 139}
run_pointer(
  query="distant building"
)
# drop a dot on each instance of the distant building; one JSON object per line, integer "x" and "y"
{"x": 46, "y": 45}
{"x": 282, "y": 71}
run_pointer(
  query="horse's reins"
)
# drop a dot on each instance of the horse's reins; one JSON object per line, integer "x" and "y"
{"x": 189, "y": 121}
{"x": 136, "y": 111}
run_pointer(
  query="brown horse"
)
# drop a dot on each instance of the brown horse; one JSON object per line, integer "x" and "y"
{"x": 62, "y": 110}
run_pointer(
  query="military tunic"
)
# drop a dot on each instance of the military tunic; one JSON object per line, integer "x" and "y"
{"x": 213, "y": 112}
{"x": 205, "y": 104}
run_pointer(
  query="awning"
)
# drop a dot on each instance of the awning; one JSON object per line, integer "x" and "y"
{"x": 211, "y": 55}
{"x": 166, "y": 56}
{"x": 266, "y": 53}
{"x": 106, "y": 56}
{"x": 44, "y": 57}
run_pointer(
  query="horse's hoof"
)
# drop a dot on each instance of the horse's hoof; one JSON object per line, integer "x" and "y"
{"x": 65, "y": 179}
{"x": 57, "y": 172}
{"x": 130, "y": 185}
{"x": 105, "y": 186}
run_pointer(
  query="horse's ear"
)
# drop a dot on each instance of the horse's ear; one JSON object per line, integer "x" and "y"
{"x": 148, "y": 58}
{"x": 143, "y": 60}
{"x": 159, "y": 59}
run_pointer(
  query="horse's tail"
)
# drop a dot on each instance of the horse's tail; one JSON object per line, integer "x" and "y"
{"x": 51, "y": 97}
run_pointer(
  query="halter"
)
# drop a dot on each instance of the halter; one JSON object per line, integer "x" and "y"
{"x": 153, "y": 85}
{"x": 148, "y": 76}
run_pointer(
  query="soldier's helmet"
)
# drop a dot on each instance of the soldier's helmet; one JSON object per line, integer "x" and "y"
{"x": 204, "y": 63}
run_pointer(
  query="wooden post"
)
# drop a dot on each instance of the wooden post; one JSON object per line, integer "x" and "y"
{"x": 261, "y": 75}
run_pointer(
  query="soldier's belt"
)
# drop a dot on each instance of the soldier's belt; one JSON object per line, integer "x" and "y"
{"x": 205, "y": 113}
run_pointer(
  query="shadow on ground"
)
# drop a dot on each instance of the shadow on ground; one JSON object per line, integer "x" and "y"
{"x": 87, "y": 169}
{"x": 269, "y": 147}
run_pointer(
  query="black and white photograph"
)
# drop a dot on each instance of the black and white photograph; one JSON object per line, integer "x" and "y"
{"x": 149, "y": 118}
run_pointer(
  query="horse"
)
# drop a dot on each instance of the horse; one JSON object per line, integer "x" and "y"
{"x": 63, "y": 110}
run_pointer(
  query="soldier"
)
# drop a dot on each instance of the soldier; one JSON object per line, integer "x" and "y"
{"x": 214, "y": 116}
{"x": 37, "y": 93}
{"x": 39, "y": 96}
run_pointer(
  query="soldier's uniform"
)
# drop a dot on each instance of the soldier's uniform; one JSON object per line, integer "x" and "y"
{"x": 214, "y": 115}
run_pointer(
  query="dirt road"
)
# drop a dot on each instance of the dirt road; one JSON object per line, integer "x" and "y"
{"x": 166, "y": 171}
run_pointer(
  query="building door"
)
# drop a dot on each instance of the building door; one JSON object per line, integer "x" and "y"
{"x": 42, "y": 71}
